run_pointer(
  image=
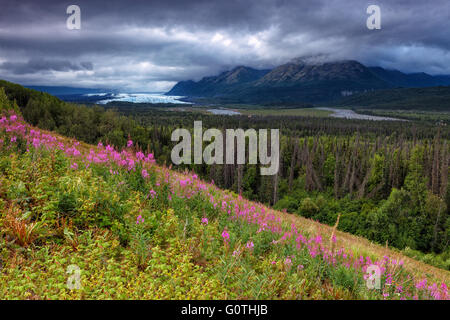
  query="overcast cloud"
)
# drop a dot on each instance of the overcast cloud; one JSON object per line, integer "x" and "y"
{"x": 148, "y": 45}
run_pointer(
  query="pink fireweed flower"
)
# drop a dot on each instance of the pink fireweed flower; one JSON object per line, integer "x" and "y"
{"x": 421, "y": 284}
{"x": 76, "y": 152}
{"x": 36, "y": 143}
{"x": 129, "y": 143}
{"x": 250, "y": 245}
{"x": 152, "y": 193}
{"x": 139, "y": 155}
{"x": 13, "y": 139}
{"x": 205, "y": 221}
{"x": 318, "y": 239}
{"x": 225, "y": 235}
{"x": 144, "y": 173}
{"x": 288, "y": 262}
{"x": 13, "y": 118}
{"x": 139, "y": 219}
{"x": 389, "y": 279}
{"x": 300, "y": 267}
{"x": 313, "y": 252}
{"x": 74, "y": 166}
{"x": 333, "y": 238}
{"x": 131, "y": 164}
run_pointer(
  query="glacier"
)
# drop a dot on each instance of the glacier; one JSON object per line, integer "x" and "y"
{"x": 142, "y": 98}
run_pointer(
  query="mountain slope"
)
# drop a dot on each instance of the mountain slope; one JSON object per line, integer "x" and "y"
{"x": 139, "y": 230}
{"x": 413, "y": 80}
{"x": 315, "y": 82}
{"x": 302, "y": 73}
{"x": 224, "y": 82}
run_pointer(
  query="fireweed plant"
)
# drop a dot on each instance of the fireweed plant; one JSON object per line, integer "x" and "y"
{"x": 144, "y": 231}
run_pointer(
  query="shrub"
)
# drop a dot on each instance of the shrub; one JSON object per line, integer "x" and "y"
{"x": 23, "y": 232}
{"x": 308, "y": 208}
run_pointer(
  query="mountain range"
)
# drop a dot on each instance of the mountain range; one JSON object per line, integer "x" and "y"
{"x": 300, "y": 81}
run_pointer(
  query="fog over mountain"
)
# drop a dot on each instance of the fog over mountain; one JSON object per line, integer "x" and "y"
{"x": 151, "y": 45}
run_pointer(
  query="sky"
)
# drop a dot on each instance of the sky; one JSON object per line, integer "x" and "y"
{"x": 148, "y": 46}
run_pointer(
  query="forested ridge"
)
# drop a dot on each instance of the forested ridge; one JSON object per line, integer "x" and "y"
{"x": 432, "y": 98}
{"x": 387, "y": 180}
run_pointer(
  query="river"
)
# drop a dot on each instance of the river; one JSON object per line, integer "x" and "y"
{"x": 350, "y": 114}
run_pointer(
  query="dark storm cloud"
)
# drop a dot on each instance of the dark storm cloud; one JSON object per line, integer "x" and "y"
{"x": 34, "y": 66}
{"x": 148, "y": 45}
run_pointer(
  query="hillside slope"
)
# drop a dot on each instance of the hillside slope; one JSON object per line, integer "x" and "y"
{"x": 139, "y": 230}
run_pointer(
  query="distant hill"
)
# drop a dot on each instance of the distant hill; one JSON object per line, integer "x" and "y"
{"x": 299, "y": 81}
{"x": 432, "y": 98}
{"x": 22, "y": 94}
{"x": 412, "y": 80}
{"x": 62, "y": 91}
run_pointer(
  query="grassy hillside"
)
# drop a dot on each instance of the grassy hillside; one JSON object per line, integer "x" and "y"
{"x": 137, "y": 230}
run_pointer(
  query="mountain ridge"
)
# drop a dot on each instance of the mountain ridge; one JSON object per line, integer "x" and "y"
{"x": 301, "y": 81}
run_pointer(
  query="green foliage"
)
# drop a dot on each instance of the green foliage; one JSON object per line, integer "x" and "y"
{"x": 308, "y": 207}
{"x": 6, "y": 104}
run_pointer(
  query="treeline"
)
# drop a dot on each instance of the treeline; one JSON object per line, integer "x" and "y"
{"x": 89, "y": 124}
{"x": 388, "y": 180}
{"x": 390, "y": 190}
{"x": 432, "y": 98}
